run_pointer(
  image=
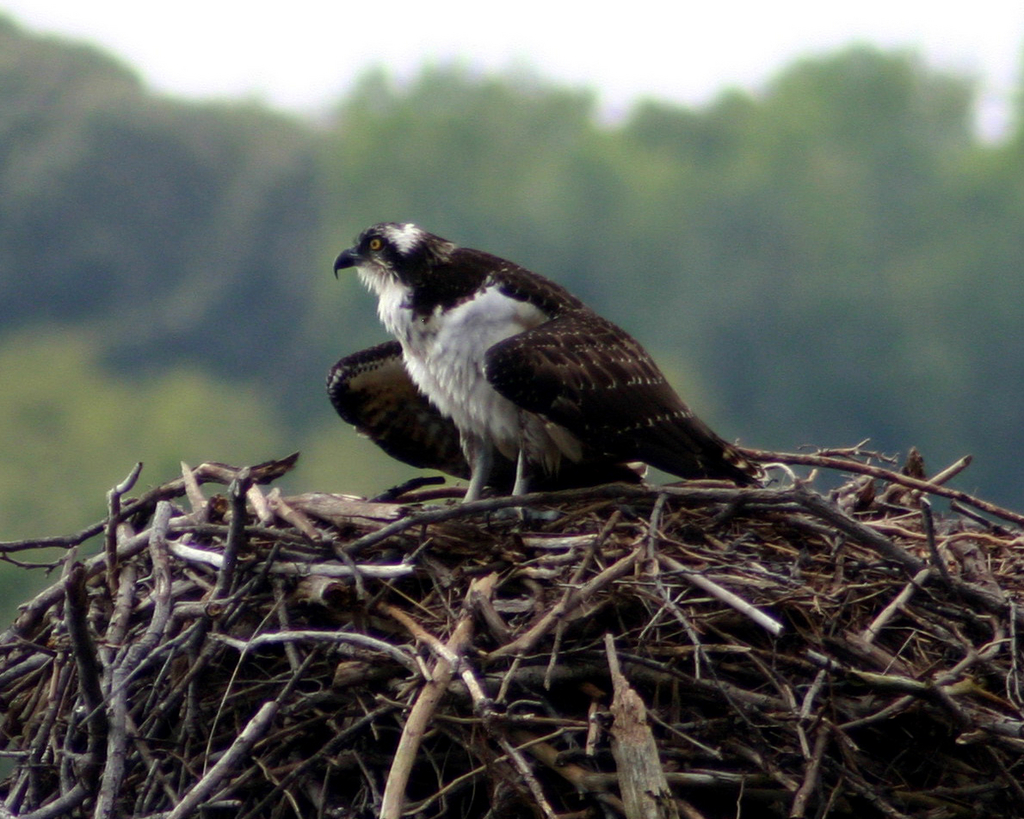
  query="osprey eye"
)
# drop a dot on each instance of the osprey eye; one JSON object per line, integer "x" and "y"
{"x": 376, "y": 243}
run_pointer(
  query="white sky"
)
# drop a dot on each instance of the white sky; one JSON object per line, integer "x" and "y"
{"x": 303, "y": 54}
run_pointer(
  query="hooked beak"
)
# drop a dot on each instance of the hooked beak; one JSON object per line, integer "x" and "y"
{"x": 347, "y": 258}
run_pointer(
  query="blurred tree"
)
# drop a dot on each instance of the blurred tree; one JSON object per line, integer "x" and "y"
{"x": 70, "y": 430}
{"x": 187, "y": 231}
{"x": 807, "y": 212}
{"x": 834, "y": 258}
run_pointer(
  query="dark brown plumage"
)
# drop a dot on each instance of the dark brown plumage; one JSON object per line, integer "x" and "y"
{"x": 524, "y": 369}
{"x": 583, "y": 373}
{"x": 372, "y": 391}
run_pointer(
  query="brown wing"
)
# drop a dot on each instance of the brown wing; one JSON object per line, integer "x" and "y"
{"x": 372, "y": 391}
{"x": 587, "y": 375}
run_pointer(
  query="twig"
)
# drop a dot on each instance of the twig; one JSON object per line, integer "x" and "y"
{"x": 217, "y": 473}
{"x": 653, "y": 524}
{"x": 261, "y": 509}
{"x": 363, "y": 641}
{"x": 645, "y": 791}
{"x": 237, "y": 751}
{"x": 1013, "y": 678}
{"x": 253, "y": 730}
{"x": 928, "y": 525}
{"x": 76, "y": 619}
{"x": 416, "y": 724}
{"x": 280, "y": 507}
{"x": 847, "y": 465}
{"x": 481, "y": 701}
{"x": 811, "y": 775}
{"x": 765, "y": 621}
{"x": 200, "y": 506}
{"x": 951, "y": 471}
{"x": 117, "y": 628}
{"x": 236, "y": 534}
{"x": 577, "y": 577}
{"x": 61, "y": 806}
{"x": 113, "y": 517}
{"x": 76, "y": 613}
{"x": 284, "y": 621}
{"x": 480, "y": 602}
{"x": 896, "y": 604}
{"x": 294, "y": 568}
{"x": 117, "y": 738}
{"x": 531, "y": 781}
{"x": 529, "y": 639}
{"x": 812, "y": 692}
{"x": 816, "y": 504}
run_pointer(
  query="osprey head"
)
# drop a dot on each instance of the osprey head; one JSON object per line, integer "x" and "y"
{"x": 394, "y": 253}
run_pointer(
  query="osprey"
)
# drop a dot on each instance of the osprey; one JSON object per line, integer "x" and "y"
{"x": 529, "y": 378}
{"x": 372, "y": 390}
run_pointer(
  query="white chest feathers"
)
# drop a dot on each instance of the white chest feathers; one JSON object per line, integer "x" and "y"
{"x": 444, "y": 353}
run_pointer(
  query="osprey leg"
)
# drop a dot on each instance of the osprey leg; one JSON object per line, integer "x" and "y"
{"x": 481, "y": 460}
{"x": 522, "y": 484}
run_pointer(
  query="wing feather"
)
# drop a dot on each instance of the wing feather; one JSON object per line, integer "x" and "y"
{"x": 583, "y": 373}
{"x": 372, "y": 391}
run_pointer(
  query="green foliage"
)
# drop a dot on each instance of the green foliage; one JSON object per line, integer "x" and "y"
{"x": 335, "y": 459}
{"x": 837, "y": 257}
{"x": 69, "y": 430}
{"x": 188, "y": 232}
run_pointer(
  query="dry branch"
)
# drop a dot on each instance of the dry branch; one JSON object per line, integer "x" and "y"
{"x": 645, "y": 791}
{"x": 696, "y": 650}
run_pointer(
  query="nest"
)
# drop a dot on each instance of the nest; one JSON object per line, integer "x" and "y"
{"x": 692, "y": 651}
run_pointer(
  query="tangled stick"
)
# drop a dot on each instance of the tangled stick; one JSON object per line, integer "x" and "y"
{"x": 788, "y": 654}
